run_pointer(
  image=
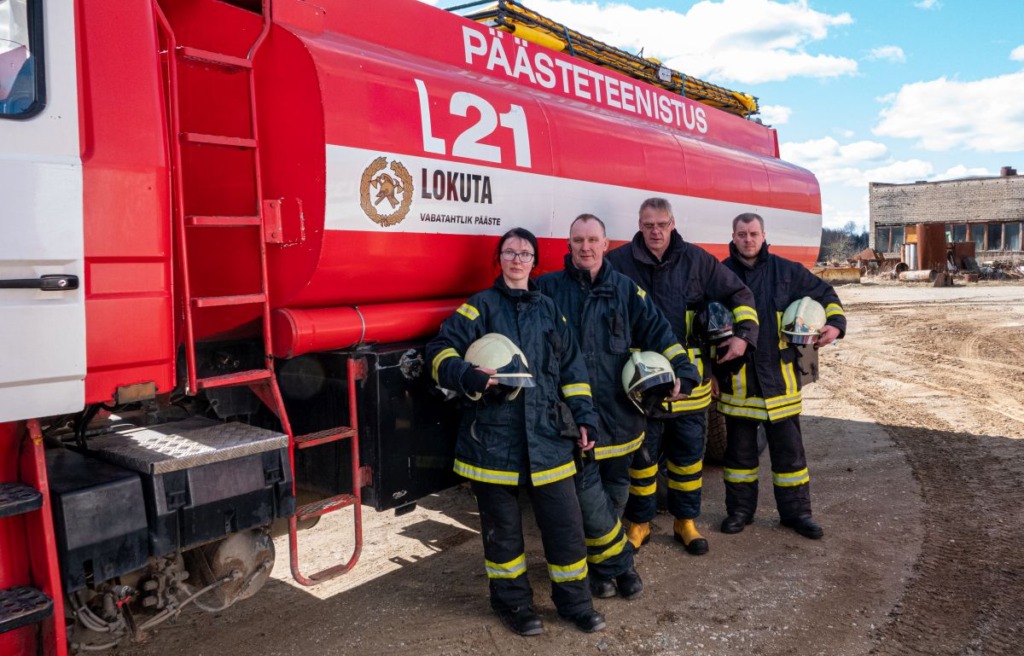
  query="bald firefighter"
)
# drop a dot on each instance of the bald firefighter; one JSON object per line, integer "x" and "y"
{"x": 609, "y": 314}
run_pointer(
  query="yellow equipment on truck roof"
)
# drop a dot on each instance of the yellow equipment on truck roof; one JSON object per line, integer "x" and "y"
{"x": 510, "y": 16}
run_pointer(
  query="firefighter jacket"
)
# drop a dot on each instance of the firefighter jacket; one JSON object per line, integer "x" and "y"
{"x": 765, "y": 385}
{"x": 499, "y": 440}
{"x": 680, "y": 283}
{"x": 610, "y": 314}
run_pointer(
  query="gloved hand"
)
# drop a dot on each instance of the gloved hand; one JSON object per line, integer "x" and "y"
{"x": 592, "y": 436}
{"x": 475, "y": 380}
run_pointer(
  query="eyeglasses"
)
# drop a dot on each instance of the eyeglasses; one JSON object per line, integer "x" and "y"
{"x": 526, "y": 256}
{"x": 660, "y": 225}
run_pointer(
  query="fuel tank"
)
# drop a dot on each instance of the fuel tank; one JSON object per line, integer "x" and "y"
{"x": 398, "y": 141}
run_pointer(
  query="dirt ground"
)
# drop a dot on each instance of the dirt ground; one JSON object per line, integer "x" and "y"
{"x": 917, "y": 471}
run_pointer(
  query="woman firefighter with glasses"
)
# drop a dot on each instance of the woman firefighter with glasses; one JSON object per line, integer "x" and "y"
{"x": 508, "y": 353}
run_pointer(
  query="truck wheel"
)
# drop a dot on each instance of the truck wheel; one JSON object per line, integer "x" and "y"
{"x": 714, "y": 449}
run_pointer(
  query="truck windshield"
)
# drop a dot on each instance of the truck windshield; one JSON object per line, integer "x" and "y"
{"x": 20, "y": 63}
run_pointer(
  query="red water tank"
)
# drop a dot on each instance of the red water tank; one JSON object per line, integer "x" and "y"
{"x": 398, "y": 141}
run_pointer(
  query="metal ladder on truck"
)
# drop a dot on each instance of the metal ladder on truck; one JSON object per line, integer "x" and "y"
{"x": 191, "y": 150}
{"x": 32, "y": 611}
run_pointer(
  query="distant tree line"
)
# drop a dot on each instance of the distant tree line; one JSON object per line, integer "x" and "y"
{"x": 838, "y": 245}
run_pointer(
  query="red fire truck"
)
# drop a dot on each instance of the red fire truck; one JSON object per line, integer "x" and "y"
{"x": 226, "y": 229}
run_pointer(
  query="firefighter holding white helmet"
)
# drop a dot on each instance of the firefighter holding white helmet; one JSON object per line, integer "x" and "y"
{"x": 509, "y": 354}
{"x": 680, "y": 278}
{"x": 794, "y": 308}
{"x": 609, "y": 314}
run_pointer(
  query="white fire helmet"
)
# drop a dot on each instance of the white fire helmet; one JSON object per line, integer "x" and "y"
{"x": 647, "y": 379}
{"x": 495, "y": 351}
{"x": 803, "y": 320}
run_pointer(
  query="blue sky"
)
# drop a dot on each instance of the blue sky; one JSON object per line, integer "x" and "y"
{"x": 860, "y": 91}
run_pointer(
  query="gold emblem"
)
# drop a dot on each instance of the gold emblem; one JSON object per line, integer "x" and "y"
{"x": 386, "y": 198}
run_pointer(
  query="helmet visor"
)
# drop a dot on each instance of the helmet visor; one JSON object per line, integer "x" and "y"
{"x": 514, "y": 374}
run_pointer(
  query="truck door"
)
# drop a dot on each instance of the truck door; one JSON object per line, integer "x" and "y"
{"x": 42, "y": 302}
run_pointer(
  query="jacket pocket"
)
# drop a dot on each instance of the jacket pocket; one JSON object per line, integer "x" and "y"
{"x": 553, "y": 351}
{"x": 618, "y": 333}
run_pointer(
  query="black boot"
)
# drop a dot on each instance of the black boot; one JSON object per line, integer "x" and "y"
{"x": 522, "y": 621}
{"x": 601, "y": 588}
{"x": 736, "y": 522}
{"x": 587, "y": 621}
{"x": 805, "y": 526}
{"x": 630, "y": 585}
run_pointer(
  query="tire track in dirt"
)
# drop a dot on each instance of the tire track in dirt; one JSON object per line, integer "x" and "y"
{"x": 968, "y": 587}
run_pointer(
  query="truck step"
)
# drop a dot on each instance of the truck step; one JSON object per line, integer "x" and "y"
{"x": 197, "y": 221}
{"x": 219, "y": 58}
{"x": 324, "y": 437}
{"x": 186, "y": 444}
{"x": 237, "y": 378}
{"x": 221, "y": 301}
{"x": 324, "y": 506}
{"x": 217, "y": 140}
{"x": 16, "y": 498}
{"x": 22, "y": 606}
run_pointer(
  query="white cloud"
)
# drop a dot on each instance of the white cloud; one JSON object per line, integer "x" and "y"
{"x": 928, "y": 4}
{"x": 827, "y": 158}
{"x": 888, "y": 53}
{"x": 739, "y": 41}
{"x": 854, "y": 164}
{"x": 946, "y": 114}
{"x": 961, "y": 171}
{"x": 836, "y": 218}
{"x": 1017, "y": 54}
{"x": 775, "y": 114}
{"x": 908, "y": 170}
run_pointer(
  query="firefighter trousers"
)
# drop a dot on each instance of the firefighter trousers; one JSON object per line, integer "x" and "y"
{"x": 681, "y": 441}
{"x": 609, "y": 553}
{"x": 557, "y": 511}
{"x": 790, "y": 479}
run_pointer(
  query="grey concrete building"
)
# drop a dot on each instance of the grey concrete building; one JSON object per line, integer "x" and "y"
{"x": 988, "y": 211}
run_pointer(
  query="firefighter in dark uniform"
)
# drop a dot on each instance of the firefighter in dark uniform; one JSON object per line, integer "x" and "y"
{"x": 681, "y": 278}
{"x": 609, "y": 313}
{"x": 764, "y": 387}
{"x": 512, "y": 440}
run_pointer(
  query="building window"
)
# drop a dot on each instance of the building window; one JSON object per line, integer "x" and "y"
{"x": 897, "y": 239}
{"x": 960, "y": 232}
{"x": 1012, "y": 237}
{"x": 977, "y": 235}
{"x": 995, "y": 237}
{"x": 882, "y": 240}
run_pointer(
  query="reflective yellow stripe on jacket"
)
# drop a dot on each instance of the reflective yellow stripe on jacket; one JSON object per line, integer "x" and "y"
{"x": 576, "y": 389}
{"x": 744, "y": 313}
{"x": 435, "y": 366}
{"x": 700, "y": 397}
{"x": 496, "y": 476}
{"x": 469, "y": 311}
{"x": 605, "y": 452}
{"x": 554, "y": 474}
{"x": 774, "y": 408}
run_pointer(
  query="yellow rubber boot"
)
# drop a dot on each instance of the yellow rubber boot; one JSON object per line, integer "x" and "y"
{"x": 687, "y": 533}
{"x": 638, "y": 534}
